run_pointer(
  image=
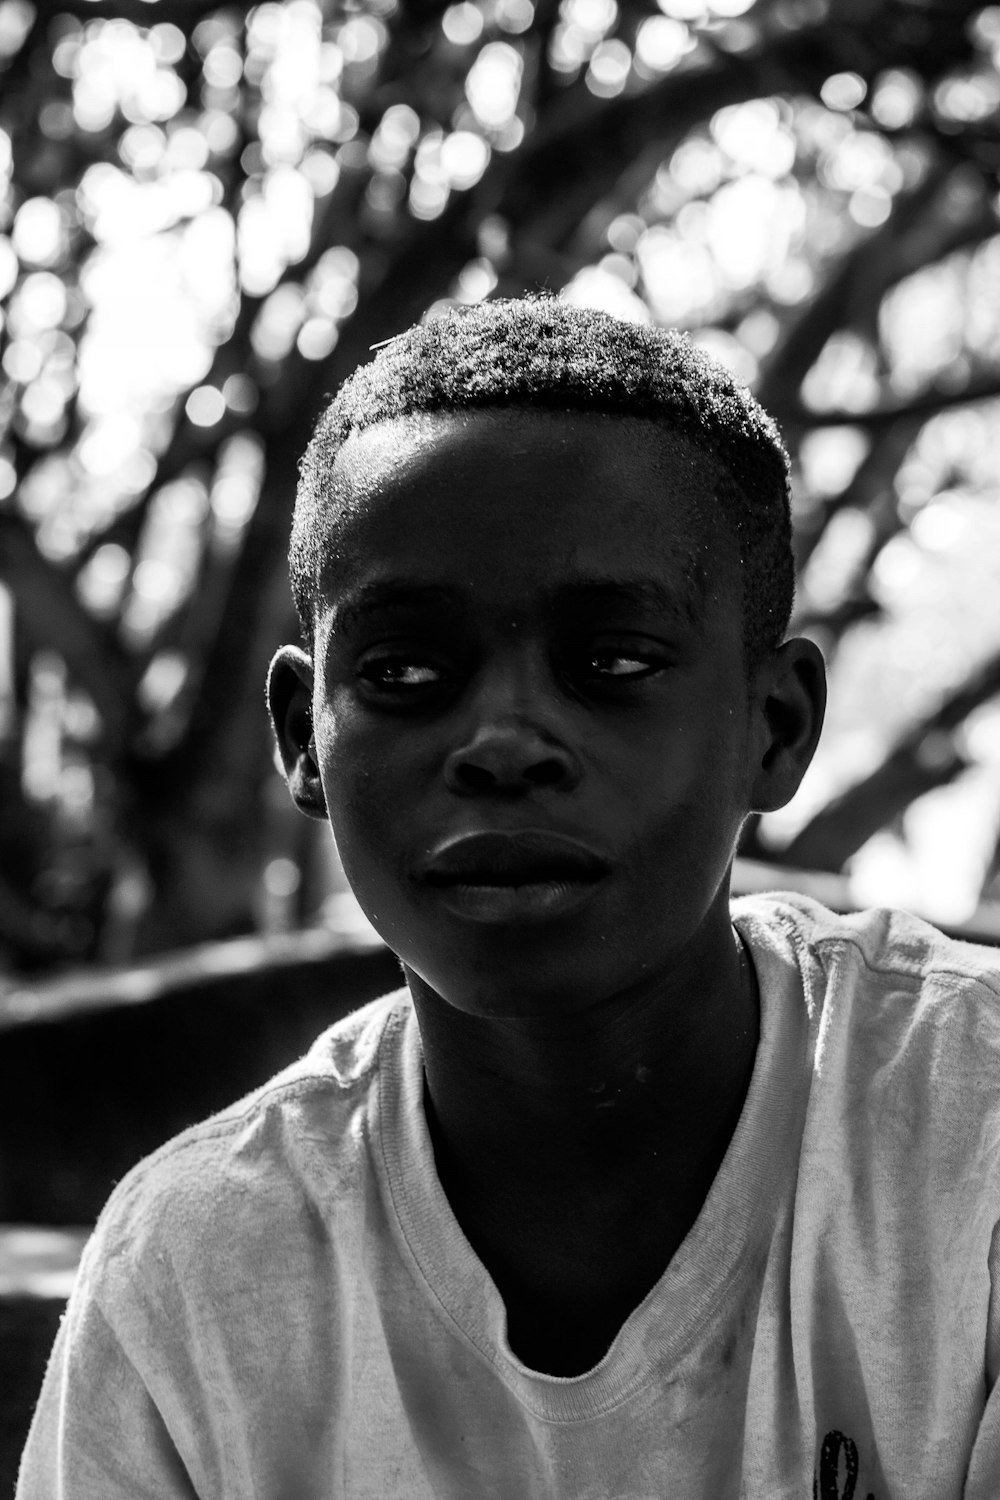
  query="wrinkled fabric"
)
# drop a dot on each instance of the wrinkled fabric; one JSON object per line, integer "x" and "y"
{"x": 280, "y": 1305}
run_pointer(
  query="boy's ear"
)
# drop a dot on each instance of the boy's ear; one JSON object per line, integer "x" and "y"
{"x": 289, "y": 698}
{"x": 789, "y": 694}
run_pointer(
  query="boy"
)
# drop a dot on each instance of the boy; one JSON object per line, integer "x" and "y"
{"x": 630, "y": 1192}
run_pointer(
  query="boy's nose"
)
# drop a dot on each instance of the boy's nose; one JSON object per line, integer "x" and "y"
{"x": 510, "y": 757}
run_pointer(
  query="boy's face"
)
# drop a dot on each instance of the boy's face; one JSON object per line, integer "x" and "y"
{"x": 516, "y": 642}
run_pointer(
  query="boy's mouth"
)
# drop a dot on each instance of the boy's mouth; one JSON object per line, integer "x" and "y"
{"x": 521, "y": 858}
{"x": 502, "y": 877}
{"x": 537, "y": 901}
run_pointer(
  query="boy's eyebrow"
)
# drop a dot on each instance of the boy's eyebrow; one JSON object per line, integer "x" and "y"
{"x": 684, "y": 604}
{"x": 389, "y": 593}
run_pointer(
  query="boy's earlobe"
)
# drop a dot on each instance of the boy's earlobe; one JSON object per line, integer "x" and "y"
{"x": 289, "y": 699}
{"x": 791, "y": 702}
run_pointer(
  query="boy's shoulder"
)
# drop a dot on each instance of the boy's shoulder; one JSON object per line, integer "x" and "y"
{"x": 263, "y": 1157}
{"x": 882, "y": 982}
{"x": 886, "y": 942}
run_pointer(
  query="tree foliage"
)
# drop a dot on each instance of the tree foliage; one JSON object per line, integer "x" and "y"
{"x": 212, "y": 213}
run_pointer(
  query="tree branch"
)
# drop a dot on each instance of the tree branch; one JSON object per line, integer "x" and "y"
{"x": 52, "y": 615}
{"x": 785, "y": 368}
{"x": 189, "y": 444}
{"x": 983, "y": 387}
{"x": 925, "y": 758}
{"x": 609, "y": 134}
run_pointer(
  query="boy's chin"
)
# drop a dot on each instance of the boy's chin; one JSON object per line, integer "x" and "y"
{"x": 508, "y": 993}
{"x": 499, "y": 964}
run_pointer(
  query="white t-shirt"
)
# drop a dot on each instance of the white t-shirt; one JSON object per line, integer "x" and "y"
{"x": 280, "y": 1305}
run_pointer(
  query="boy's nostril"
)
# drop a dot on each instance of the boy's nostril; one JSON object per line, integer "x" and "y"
{"x": 546, "y": 772}
{"x": 477, "y": 776}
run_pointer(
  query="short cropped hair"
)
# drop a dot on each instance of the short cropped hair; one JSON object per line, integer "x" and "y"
{"x": 543, "y": 353}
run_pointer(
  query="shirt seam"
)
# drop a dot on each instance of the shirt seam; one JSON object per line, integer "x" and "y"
{"x": 790, "y": 918}
{"x": 214, "y": 1129}
{"x": 917, "y": 972}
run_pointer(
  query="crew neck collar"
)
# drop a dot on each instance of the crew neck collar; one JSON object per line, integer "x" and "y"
{"x": 736, "y": 1216}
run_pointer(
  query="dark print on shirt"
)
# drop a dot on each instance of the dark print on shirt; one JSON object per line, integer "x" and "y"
{"x": 836, "y": 1477}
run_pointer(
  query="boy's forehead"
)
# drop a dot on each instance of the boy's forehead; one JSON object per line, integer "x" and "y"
{"x": 664, "y": 463}
{"x": 508, "y": 478}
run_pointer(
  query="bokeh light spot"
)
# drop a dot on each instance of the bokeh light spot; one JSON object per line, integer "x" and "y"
{"x": 39, "y": 235}
{"x": 493, "y": 84}
{"x": 462, "y": 24}
{"x": 205, "y": 406}
{"x": 609, "y": 68}
{"x": 240, "y": 394}
{"x": 464, "y": 158}
{"x": 661, "y": 42}
{"x": 843, "y": 91}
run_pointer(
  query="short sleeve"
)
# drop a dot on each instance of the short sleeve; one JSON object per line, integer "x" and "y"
{"x": 96, "y": 1432}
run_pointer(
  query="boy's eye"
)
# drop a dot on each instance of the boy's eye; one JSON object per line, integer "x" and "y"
{"x": 402, "y": 675}
{"x": 398, "y": 673}
{"x": 620, "y": 665}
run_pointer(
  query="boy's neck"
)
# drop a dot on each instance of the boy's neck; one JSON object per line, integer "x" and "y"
{"x": 577, "y": 1153}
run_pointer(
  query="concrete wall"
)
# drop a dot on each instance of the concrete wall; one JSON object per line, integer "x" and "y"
{"x": 97, "y": 1070}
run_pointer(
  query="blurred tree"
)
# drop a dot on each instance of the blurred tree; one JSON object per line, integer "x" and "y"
{"x": 210, "y": 215}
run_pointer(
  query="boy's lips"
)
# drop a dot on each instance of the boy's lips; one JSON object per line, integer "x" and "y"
{"x": 530, "y": 875}
{"x": 535, "y": 901}
{"x": 527, "y": 857}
